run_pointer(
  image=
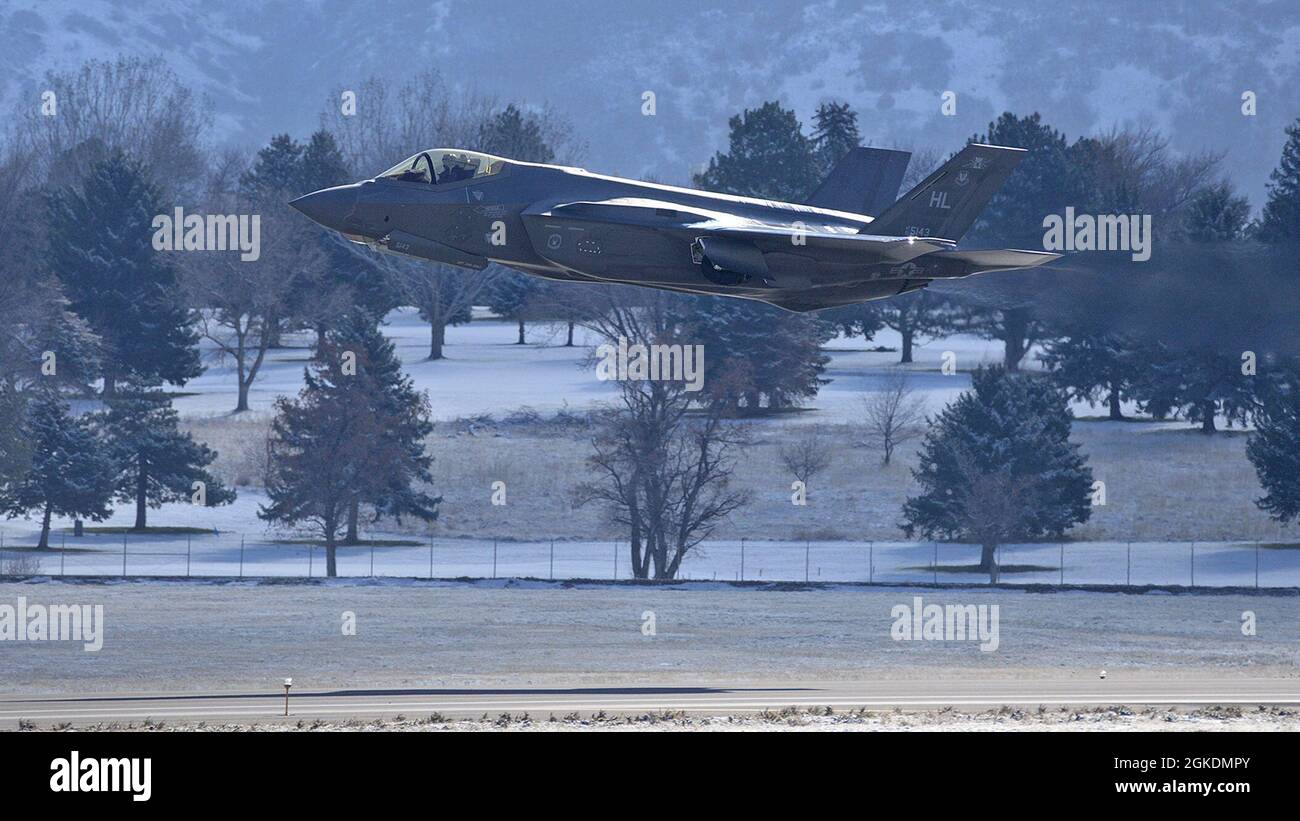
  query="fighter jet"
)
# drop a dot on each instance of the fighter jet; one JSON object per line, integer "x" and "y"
{"x": 850, "y": 242}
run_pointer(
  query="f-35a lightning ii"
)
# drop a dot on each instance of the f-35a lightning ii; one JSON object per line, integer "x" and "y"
{"x": 470, "y": 209}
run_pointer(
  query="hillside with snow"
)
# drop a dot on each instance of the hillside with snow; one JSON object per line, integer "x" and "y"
{"x": 269, "y": 68}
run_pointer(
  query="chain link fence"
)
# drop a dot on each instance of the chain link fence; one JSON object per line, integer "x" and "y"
{"x": 1135, "y": 564}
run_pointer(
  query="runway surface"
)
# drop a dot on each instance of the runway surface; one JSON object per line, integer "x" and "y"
{"x": 215, "y": 708}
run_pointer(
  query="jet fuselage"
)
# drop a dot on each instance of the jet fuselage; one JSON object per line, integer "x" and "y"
{"x": 470, "y": 209}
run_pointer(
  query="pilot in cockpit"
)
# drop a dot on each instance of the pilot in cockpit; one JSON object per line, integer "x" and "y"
{"x": 456, "y": 167}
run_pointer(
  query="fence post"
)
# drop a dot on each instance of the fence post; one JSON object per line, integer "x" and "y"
{"x": 494, "y": 558}
{"x": 742, "y": 559}
{"x": 807, "y": 548}
{"x": 188, "y": 539}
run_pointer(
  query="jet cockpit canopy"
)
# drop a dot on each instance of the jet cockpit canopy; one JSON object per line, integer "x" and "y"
{"x": 439, "y": 166}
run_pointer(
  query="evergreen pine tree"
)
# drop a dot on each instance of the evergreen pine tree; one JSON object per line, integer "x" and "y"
{"x": 321, "y": 165}
{"x": 511, "y": 294}
{"x": 1198, "y": 384}
{"x": 45, "y": 343}
{"x": 275, "y": 178}
{"x": 1274, "y": 450}
{"x": 1201, "y": 380}
{"x": 1095, "y": 367}
{"x": 100, "y": 248}
{"x": 277, "y": 170}
{"x": 15, "y": 446}
{"x": 1044, "y": 183}
{"x": 401, "y": 416}
{"x": 512, "y": 133}
{"x": 1041, "y": 184}
{"x": 1280, "y": 220}
{"x": 767, "y": 156}
{"x": 835, "y": 133}
{"x": 157, "y": 462}
{"x": 1217, "y": 214}
{"x": 69, "y": 471}
{"x": 756, "y": 355}
{"x": 997, "y": 464}
{"x": 353, "y": 435}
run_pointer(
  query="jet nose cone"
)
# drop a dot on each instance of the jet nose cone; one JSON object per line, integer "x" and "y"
{"x": 330, "y": 207}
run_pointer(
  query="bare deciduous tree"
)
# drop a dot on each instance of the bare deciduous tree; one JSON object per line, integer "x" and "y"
{"x": 661, "y": 472}
{"x": 439, "y": 292}
{"x": 893, "y": 415}
{"x": 238, "y": 303}
{"x": 131, "y": 104}
{"x": 241, "y": 304}
{"x": 662, "y": 475}
{"x": 806, "y": 455}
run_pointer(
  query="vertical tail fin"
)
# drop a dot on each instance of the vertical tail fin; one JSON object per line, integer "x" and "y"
{"x": 946, "y": 203}
{"x": 864, "y": 181}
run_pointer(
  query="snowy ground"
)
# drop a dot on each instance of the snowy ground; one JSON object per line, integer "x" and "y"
{"x": 1107, "y": 719}
{"x": 485, "y": 372}
{"x": 176, "y": 637}
{"x": 482, "y": 372}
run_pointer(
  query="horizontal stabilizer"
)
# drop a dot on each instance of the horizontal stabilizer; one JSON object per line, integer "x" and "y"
{"x": 995, "y": 260}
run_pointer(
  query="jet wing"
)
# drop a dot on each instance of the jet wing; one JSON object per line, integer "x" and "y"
{"x": 828, "y": 243}
{"x": 830, "y": 246}
{"x": 626, "y": 211}
{"x": 1006, "y": 259}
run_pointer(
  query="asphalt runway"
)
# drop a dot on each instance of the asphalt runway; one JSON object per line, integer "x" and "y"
{"x": 709, "y": 699}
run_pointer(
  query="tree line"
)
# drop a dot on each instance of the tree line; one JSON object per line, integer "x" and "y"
{"x": 98, "y": 316}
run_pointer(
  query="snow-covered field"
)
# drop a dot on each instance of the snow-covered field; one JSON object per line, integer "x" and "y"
{"x": 1166, "y": 487}
{"x": 1102, "y": 719}
{"x": 485, "y": 372}
{"x": 170, "y": 637}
